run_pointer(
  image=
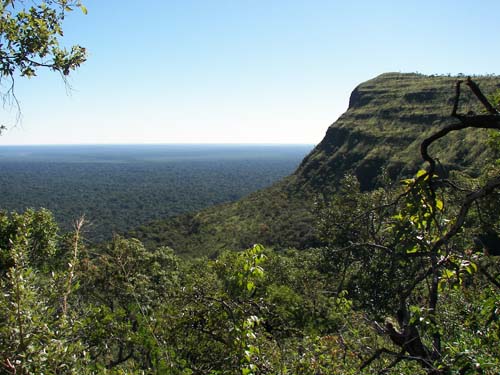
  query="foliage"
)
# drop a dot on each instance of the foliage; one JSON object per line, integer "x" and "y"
{"x": 30, "y": 38}
{"x": 253, "y": 312}
{"x": 383, "y": 251}
{"x": 35, "y": 231}
{"x": 407, "y": 256}
{"x": 131, "y": 310}
{"x": 37, "y": 334}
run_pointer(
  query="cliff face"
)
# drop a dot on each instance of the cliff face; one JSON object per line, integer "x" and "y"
{"x": 387, "y": 119}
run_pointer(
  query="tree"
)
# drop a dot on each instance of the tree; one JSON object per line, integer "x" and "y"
{"x": 415, "y": 259}
{"x": 30, "y": 35}
{"x": 39, "y": 330}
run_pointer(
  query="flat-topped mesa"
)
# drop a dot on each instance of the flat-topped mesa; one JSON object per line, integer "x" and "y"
{"x": 387, "y": 119}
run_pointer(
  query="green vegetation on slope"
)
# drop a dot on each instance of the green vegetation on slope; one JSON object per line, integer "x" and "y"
{"x": 387, "y": 119}
{"x": 271, "y": 216}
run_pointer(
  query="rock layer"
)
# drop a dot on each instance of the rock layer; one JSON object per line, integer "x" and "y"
{"x": 387, "y": 119}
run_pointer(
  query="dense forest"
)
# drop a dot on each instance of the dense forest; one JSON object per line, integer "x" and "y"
{"x": 403, "y": 276}
{"x": 119, "y": 188}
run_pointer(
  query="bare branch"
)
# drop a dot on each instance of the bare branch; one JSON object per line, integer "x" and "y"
{"x": 377, "y": 355}
{"x": 464, "y": 209}
{"x": 475, "y": 89}
{"x": 457, "y": 97}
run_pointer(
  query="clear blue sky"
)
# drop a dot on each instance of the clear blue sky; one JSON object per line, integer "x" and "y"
{"x": 241, "y": 71}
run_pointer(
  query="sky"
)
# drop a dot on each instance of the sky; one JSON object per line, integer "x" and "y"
{"x": 240, "y": 71}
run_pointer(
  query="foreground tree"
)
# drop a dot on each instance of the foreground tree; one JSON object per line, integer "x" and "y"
{"x": 416, "y": 257}
{"x": 38, "y": 327}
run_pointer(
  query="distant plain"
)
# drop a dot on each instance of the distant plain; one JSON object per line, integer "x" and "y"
{"x": 119, "y": 187}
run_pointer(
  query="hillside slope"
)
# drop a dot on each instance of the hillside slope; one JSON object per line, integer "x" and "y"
{"x": 386, "y": 121}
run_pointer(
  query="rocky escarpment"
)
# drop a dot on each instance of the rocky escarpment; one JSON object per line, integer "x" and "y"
{"x": 387, "y": 119}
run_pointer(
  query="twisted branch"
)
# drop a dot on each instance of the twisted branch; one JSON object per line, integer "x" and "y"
{"x": 488, "y": 121}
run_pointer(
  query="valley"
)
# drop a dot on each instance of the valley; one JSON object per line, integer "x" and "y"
{"x": 121, "y": 187}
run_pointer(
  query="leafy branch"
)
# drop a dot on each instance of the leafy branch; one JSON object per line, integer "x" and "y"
{"x": 421, "y": 207}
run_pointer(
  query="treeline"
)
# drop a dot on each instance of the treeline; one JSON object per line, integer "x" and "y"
{"x": 116, "y": 197}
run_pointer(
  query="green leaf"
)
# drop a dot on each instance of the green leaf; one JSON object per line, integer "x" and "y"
{"x": 398, "y": 216}
{"x": 448, "y": 274}
{"x": 258, "y": 248}
{"x": 407, "y": 181}
{"x": 83, "y": 9}
{"x": 439, "y": 204}
{"x": 250, "y": 286}
{"x": 469, "y": 267}
{"x": 413, "y": 250}
{"x": 421, "y": 172}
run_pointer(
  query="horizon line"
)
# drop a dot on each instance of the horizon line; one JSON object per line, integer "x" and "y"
{"x": 157, "y": 144}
